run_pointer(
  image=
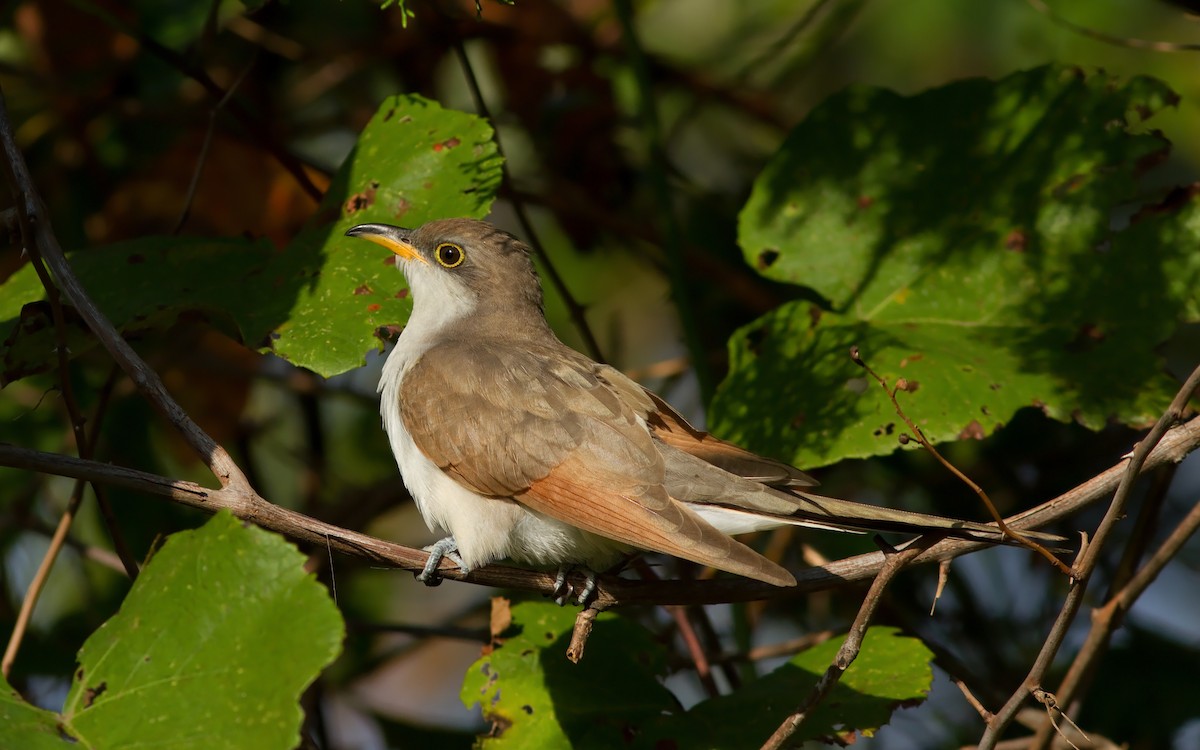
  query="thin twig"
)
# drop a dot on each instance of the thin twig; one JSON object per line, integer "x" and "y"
{"x": 901, "y": 384}
{"x": 985, "y": 714}
{"x": 120, "y": 545}
{"x": 99, "y": 555}
{"x": 1088, "y": 557}
{"x": 700, "y": 661}
{"x": 1048, "y": 699}
{"x": 853, "y": 643}
{"x": 786, "y": 648}
{"x": 33, "y": 593}
{"x": 202, "y": 158}
{"x": 41, "y": 237}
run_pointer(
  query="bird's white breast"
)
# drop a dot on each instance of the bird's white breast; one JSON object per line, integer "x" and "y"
{"x": 477, "y": 523}
{"x": 485, "y": 528}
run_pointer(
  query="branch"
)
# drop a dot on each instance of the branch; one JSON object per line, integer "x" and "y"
{"x": 850, "y": 647}
{"x": 41, "y": 235}
{"x": 1088, "y": 558}
{"x": 247, "y": 505}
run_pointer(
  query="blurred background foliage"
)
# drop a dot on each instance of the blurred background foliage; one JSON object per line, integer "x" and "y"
{"x": 125, "y": 141}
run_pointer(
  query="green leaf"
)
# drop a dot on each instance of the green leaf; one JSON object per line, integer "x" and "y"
{"x": 891, "y": 672}
{"x": 26, "y": 726}
{"x": 413, "y": 163}
{"x": 535, "y": 697}
{"x": 324, "y": 299}
{"x": 213, "y": 646}
{"x": 964, "y": 239}
{"x": 141, "y": 285}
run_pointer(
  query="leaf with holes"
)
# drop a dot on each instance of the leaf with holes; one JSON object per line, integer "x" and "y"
{"x": 535, "y": 697}
{"x": 413, "y": 163}
{"x": 322, "y": 302}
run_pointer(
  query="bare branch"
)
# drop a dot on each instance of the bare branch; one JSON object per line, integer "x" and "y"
{"x": 1088, "y": 558}
{"x": 851, "y": 646}
{"x": 611, "y": 591}
{"x": 41, "y": 236}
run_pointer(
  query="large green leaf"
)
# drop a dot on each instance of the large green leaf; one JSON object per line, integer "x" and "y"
{"x": 964, "y": 239}
{"x": 212, "y": 647}
{"x": 413, "y": 163}
{"x": 890, "y": 672}
{"x": 326, "y": 299}
{"x": 535, "y": 697}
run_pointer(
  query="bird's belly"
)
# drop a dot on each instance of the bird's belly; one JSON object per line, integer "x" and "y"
{"x": 481, "y": 526}
{"x": 487, "y": 529}
{"x": 541, "y": 541}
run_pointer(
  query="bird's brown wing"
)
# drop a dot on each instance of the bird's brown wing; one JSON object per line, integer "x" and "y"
{"x": 537, "y": 424}
{"x": 669, "y": 426}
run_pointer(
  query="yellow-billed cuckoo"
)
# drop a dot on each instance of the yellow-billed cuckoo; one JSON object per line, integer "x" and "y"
{"x": 520, "y": 447}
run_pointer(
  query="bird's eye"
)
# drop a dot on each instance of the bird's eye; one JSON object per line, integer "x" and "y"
{"x": 449, "y": 255}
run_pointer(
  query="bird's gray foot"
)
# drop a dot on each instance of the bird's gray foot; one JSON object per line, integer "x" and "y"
{"x": 564, "y": 591}
{"x": 444, "y": 548}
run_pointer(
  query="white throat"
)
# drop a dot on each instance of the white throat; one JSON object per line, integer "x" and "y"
{"x": 442, "y": 303}
{"x": 444, "y": 504}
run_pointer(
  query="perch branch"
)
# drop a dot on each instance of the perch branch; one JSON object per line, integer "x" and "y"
{"x": 1176, "y": 444}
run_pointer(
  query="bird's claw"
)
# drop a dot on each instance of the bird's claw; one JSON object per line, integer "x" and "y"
{"x": 447, "y": 547}
{"x": 564, "y": 591}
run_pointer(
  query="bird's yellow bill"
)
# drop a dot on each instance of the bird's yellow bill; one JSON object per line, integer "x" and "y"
{"x": 403, "y": 249}
{"x": 393, "y": 238}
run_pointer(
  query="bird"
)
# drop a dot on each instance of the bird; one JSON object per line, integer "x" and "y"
{"x": 518, "y": 447}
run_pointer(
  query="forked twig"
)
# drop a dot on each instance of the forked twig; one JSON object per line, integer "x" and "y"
{"x": 1087, "y": 560}
{"x": 1005, "y": 529}
{"x": 853, "y": 643}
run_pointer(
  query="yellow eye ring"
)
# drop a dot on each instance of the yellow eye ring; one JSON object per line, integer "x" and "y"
{"x": 449, "y": 255}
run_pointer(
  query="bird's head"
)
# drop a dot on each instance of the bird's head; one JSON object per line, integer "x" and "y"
{"x": 462, "y": 264}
